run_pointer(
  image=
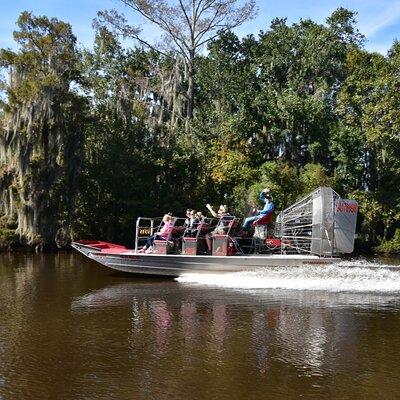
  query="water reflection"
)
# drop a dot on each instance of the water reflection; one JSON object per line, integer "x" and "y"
{"x": 220, "y": 329}
{"x": 162, "y": 322}
{"x": 191, "y": 295}
{"x": 315, "y": 332}
{"x": 304, "y": 339}
{"x": 190, "y": 322}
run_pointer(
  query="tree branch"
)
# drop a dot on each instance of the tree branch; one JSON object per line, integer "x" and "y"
{"x": 205, "y": 8}
{"x": 227, "y": 28}
{"x": 209, "y": 27}
{"x": 163, "y": 24}
{"x": 186, "y": 17}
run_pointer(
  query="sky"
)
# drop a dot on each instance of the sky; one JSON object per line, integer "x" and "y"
{"x": 378, "y": 20}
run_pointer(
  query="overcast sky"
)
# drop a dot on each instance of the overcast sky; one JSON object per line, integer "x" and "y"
{"x": 379, "y": 20}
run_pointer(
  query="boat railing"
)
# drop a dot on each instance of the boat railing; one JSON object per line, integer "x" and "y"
{"x": 146, "y": 227}
{"x": 199, "y": 229}
{"x": 228, "y": 225}
{"x": 149, "y": 226}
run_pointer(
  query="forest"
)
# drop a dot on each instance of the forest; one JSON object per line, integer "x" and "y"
{"x": 92, "y": 138}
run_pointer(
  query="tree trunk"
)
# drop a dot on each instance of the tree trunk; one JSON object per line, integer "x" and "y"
{"x": 190, "y": 90}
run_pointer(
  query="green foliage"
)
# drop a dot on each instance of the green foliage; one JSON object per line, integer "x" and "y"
{"x": 370, "y": 215}
{"x": 283, "y": 181}
{"x": 286, "y": 183}
{"x": 8, "y": 238}
{"x": 47, "y": 56}
{"x": 312, "y": 176}
{"x": 343, "y": 23}
{"x": 391, "y": 246}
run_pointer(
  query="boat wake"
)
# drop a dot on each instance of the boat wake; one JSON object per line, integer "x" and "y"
{"x": 348, "y": 276}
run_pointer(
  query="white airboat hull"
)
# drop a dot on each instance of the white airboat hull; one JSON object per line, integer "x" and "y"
{"x": 176, "y": 265}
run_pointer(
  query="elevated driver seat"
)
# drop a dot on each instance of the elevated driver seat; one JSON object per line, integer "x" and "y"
{"x": 261, "y": 226}
{"x": 261, "y": 231}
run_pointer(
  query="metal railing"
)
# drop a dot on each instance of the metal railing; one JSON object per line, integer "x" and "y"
{"x": 146, "y": 227}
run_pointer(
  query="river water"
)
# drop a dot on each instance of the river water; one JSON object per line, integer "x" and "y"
{"x": 70, "y": 329}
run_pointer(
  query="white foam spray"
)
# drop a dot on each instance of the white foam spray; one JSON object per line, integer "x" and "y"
{"x": 348, "y": 276}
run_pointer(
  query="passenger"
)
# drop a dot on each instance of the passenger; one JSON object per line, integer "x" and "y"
{"x": 200, "y": 216}
{"x": 192, "y": 224}
{"x": 164, "y": 234}
{"x": 269, "y": 206}
{"x": 224, "y": 218}
{"x": 187, "y": 220}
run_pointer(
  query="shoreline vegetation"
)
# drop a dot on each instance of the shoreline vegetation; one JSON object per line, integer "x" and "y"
{"x": 93, "y": 138}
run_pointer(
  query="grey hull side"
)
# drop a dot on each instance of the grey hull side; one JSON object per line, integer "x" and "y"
{"x": 176, "y": 265}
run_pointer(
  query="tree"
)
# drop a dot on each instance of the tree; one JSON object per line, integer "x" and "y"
{"x": 342, "y": 23}
{"x": 188, "y": 25}
{"x": 132, "y": 166}
{"x": 41, "y": 137}
{"x": 366, "y": 145}
{"x": 301, "y": 68}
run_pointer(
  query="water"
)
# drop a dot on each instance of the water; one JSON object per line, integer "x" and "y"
{"x": 70, "y": 329}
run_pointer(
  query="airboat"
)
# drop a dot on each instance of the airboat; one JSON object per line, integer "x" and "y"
{"x": 316, "y": 230}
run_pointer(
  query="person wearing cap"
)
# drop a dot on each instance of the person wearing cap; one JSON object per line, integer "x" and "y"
{"x": 269, "y": 207}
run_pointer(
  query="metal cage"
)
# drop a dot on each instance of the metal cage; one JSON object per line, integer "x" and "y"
{"x": 321, "y": 223}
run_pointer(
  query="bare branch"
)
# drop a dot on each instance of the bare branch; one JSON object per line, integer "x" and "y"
{"x": 119, "y": 23}
{"x": 209, "y": 39}
{"x": 187, "y": 18}
{"x": 187, "y": 33}
{"x": 209, "y": 26}
{"x": 205, "y": 8}
{"x": 160, "y": 22}
{"x": 229, "y": 19}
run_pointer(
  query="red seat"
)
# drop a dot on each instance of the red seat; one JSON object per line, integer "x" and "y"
{"x": 161, "y": 246}
{"x": 232, "y": 224}
{"x": 266, "y": 219}
{"x": 177, "y": 230}
{"x": 273, "y": 242}
{"x": 203, "y": 227}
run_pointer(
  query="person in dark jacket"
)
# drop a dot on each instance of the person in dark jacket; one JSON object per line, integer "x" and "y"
{"x": 191, "y": 223}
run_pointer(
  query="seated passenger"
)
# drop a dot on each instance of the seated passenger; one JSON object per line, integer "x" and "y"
{"x": 200, "y": 216}
{"x": 163, "y": 234}
{"x": 191, "y": 223}
{"x": 269, "y": 206}
{"x": 224, "y": 219}
{"x": 187, "y": 220}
